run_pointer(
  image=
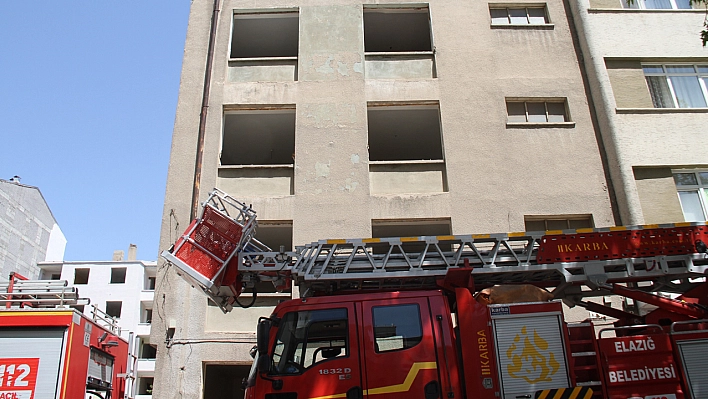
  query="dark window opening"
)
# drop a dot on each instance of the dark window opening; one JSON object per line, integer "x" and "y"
{"x": 223, "y": 381}
{"x": 145, "y": 385}
{"x": 118, "y": 275}
{"x": 410, "y": 228}
{"x": 113, "y": 308}
{"x": 150, "y": 286}
{"x": 259, "y": 138}
{"x": 404, "y": 133}
{"x": 81, "y": 276}
{"x": 397, "y": 30}
{"x": 148, "y": 351}
{"x": 544, "y": 223}
{"x": 265, "y": 35}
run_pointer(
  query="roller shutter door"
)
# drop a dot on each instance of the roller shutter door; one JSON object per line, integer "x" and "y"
{"x": 530, "y": 353}
{"x": 693, "y": 358}
{"x": 45, "y": 344}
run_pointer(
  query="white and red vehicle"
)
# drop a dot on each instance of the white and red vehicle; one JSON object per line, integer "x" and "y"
{"x": 397, "y": 318}
{"x": 51, "y": 351}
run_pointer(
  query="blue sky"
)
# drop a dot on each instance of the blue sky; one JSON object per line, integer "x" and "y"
{"x": 88, "y": 92}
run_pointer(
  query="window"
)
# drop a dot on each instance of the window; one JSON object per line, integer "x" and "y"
{"x": 118, "y": 275}
{"x": 692, "y": 189}
{"x": 657, "y": 4}
{"x": 549, "y": 111}
{"x": 518, "y": 15}
{"x": 310, "y": 337}
{"x": 677, "y": 86}
{"x": 150, "y": 283}
{"x": 147, "y": 316}
{"x": 404, "y": 133}
{"x": 113, "y": 308}
{"x": 145, "y": 385}
{"x": 265, "y": 35}
{"x": 396, "y": 327}
{"x": 264, "y": 137}
{"x": 81, "y": 276}
{"x": 397, "y": 30}
{"x": 544, "y": 223}
{"x": 147, "y": 351}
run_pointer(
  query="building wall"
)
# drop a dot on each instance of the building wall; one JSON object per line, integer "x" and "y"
{"x": 494, "y": 175}
{"x": 641, "y": 139}
{"x": 28, "y": 231}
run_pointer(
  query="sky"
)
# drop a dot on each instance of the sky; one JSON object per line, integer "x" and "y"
{"x": 88, "y": 93}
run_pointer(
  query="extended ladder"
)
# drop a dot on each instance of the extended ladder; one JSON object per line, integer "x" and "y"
{"x": 664, "y": 257}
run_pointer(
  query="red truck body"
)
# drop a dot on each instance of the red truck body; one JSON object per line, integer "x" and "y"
{"x": 58, "y": 354}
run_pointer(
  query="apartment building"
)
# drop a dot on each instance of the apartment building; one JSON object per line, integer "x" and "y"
{"x": 648, "y": 73}
{"x": 124, "y": 289}
{"x": 368, "y": 119}
{"x": 29, "y": 233}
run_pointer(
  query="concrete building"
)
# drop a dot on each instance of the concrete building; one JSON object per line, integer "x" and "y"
{"x": 124, "y": 289}
{"x": 29, "y": 233}
{"x": 348, "y": 118}
{"x": 648, "y": 75}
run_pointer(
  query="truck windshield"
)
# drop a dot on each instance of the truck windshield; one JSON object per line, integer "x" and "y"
{"x": 310, "y": 337}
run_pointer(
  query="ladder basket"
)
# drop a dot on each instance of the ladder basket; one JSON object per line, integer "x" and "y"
{"x": 224, "y": 227}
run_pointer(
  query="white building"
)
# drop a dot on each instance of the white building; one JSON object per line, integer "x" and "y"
{"x": 29, "y": 233}
{"x": 123, "y": 289}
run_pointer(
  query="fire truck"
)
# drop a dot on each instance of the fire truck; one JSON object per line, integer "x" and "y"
{"x": 416, "y": 317}
{"x": 49, "y": 350}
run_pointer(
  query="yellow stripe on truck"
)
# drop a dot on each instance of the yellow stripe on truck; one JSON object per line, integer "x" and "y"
{"x": 403, "y": 387}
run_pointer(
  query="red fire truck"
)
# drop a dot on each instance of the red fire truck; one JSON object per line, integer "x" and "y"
{"x": 50, "y": 351}
{"x": 397, "y": 317}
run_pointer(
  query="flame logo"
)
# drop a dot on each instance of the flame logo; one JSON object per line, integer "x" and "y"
{"x": 532, "y": 361}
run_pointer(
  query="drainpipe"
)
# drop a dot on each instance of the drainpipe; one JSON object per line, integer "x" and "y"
{"x": 205, "y": 108}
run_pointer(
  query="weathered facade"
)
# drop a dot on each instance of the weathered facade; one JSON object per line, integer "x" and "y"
{"x": 341, "y": 118}
{"x": 28, "y": 231}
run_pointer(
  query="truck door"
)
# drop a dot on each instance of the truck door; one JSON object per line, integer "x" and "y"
{"x": 399, "y": 357}
{"x": 315, "y": 355}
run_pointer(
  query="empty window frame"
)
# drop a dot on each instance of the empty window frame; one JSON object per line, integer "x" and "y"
{"x": 118, "y": 275}
{"x": 560, "y": 222}
{"x": 81, "y": 276}
{"x": 537, "y": 111}
{"x": 657, "y": 4}
{"x": 692, "y": 187}
{"x": 677, "y": 86}
{"x": 265, "y": 35}
{"x": 404, "y": 133}
{"x": 150, "y": 283}
{"x": 259, "y": 137}
{"x": 530, "y": 15}
{"x": 382, "y": 228}
{"x": 113, "y": 308}
{"x": 397, "y": 30}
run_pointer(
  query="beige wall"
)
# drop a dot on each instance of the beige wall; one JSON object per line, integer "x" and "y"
{"x": 628, "y": 83}
{"x": 657, "y": 194}
{"x": 493, "y": 174}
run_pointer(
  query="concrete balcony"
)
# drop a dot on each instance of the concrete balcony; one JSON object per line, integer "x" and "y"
{"x": 146, "y": 367}
{"x": 143, "y": 329}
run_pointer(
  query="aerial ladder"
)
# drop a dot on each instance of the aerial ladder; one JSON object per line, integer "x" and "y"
{"x": 662, "y": 265}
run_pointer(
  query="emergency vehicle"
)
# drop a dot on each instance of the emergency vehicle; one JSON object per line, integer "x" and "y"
{"x": 49, "y": 350}
{"x": 390, "y": 318}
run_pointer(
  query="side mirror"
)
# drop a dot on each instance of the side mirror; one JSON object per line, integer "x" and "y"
{"x": 264, "y": 363}
{"x": 262, "y": 335}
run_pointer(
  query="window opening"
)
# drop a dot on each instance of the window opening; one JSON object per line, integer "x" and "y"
{"x": 81, "y": 276}
{"x": 310, "y": 337}
{"x": 145, "y": 385}
{"x": 692, "y": 187}
{"x": 396, "y": 327}
{"x": 150, "y": 285}
{"x": 404, "y": 133}
{"x": 544, "y": 223}
{"x": 518, "y": 16}
{"x": 657, "y": 4}
{"x": 397, "y": 30}
{"x": 677, "y": 86}
{"x": 113, "y": 308}
{"x": 265, "y": 35}
{"x": 259, "y": 138}
{"x": 536, "y": 111}
{"x": 118, "y": 275}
